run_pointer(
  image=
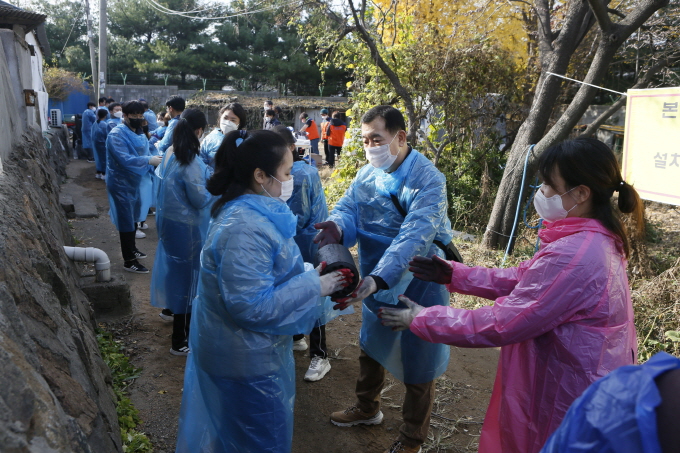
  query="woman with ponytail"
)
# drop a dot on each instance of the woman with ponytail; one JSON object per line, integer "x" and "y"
{"x": 232, "y": 117}
{"x": 562, "y": 319}
{"x": 182, "y": 218}
{"x": 254, "y": 293}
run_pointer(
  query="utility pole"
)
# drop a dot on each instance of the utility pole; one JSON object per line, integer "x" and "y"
{"x": 90, "y": 41}
{"x": 102, "y": 47}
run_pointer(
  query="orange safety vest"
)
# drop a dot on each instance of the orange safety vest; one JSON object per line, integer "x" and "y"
{"x": 312, "y": 131}
{"x": 324, "y": 129}
{"x": 337, "y": 135}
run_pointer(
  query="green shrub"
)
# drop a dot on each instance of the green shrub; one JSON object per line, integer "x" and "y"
{"x": 123, "y": 374}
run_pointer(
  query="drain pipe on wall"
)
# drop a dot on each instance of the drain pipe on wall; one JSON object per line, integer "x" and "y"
{"x": 92, "y": 255}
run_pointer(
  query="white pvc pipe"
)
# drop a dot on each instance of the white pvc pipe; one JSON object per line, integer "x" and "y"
{"x": 92, "y": 255}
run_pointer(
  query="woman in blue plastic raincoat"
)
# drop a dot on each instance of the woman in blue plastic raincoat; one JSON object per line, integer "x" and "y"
{"x": 254, "y": 294}
{"x": 182, "y": 218}
{"x": 367, "y": 215}
{"x": 232, "y": 117}
{"x": 99, "y": 134}
{"x": 564, "y": 318}
{"x": 128, "y": 180}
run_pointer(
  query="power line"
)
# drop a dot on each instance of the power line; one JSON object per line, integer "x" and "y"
{"x": 69, "y": 33}
{"x": 159, "y": 8}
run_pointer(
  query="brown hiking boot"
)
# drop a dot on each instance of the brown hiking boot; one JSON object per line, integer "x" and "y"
{"x": 355, "y": 416}
{"x": 398, "y": 447}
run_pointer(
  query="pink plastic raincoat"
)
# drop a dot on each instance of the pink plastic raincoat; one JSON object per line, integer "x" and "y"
{"x": 563, "y": 319}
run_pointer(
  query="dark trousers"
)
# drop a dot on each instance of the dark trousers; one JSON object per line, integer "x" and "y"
{"x": 180, "y": 329}
{"x": 417, "y": 402}
{"x": 330, "y": 155}
{"x": 325, "y": 148}
{"x": 127, "y": 245}
{"x": 317, "y": 342}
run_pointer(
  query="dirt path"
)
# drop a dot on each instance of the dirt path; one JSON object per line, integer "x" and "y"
{"x": 462, "y": 393}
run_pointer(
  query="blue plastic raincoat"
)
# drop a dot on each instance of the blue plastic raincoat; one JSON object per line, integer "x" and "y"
{"x": 210, "y": 145}
{"x": 166, "y": 141}
{"x": 99, "y": 134}
{"x": 151, "y": 120}
{"x": 128, "y": 177}
{"x": 253, "y": 295}
{"x": 387, "y": 242}
{"x": 157, "y": 135}
{"x": 113, "y": 122}
{"x": 182, "y": 218}
{"x": 89, "y": 118}
{"x": 308, "y": 203}
{"x": 616, "y": 413}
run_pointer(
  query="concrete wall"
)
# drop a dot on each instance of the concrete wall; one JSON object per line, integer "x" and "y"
{"x": 11, "y": 124}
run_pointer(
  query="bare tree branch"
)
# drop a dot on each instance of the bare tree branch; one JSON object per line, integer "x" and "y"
{"x": 599, "y": 7}
{"x": 616, "y": 12}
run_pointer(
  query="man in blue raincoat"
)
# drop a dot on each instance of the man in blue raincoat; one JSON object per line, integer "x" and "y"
{"x": 99, "y": 134}
{"x": 175, "y": 106}
{"x": 128, "y": 180}
{"x": 368, "y": 214}
{"x": 116, "y": 115}
{"x": 149, "y": 116}
{"x": 89, "y": 119}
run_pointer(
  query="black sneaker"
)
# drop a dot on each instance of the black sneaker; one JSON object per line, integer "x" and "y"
{"x": 140, "y": 255}
{"x": 167, "y": 315}
{"x": 134, "y": 266}
{"x": 182, "y": 351}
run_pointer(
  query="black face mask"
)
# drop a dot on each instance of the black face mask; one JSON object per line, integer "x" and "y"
{"x": 135, "y": 123}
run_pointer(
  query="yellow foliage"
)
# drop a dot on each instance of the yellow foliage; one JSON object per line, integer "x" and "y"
{"x": 450, "y": 23}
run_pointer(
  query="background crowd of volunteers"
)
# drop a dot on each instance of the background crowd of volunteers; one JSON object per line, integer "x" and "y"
{"x": 240, "y": 218}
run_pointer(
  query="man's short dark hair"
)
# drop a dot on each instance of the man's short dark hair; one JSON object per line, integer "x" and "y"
{"x": 113, "y": 105}
{"x": 133, "y": 107}
{"x": 270, "y": 112}
{"x": 269, "y": 103}
{"x": 91, "y": 104}
{"x": 144, "y": 104}
{"x": 110, "y": 100}
{"x": 303, "y": 116}
{"x": 176, "y": 102}
{"x": 394, "y": 120}
{"x": 103, "y": 99}
{"x": 102, "y": 113}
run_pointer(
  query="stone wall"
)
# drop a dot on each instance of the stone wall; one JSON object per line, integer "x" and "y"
{"x": 55, "y": 390}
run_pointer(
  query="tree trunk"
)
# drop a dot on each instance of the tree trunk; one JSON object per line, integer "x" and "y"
{"x": 555, "y": 58}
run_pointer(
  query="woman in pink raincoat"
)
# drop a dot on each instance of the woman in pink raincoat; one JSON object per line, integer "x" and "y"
{"x": 562, "y": 319}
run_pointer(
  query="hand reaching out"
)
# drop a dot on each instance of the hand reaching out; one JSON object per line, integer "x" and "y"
{"x": 400, "y": 318}
{"x": 433, "y": 269}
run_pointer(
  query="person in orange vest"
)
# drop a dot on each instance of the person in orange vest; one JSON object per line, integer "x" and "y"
{"x": 309, "y": 128}
{"x": 336, "y": 137}
{"x": 325, "y": 122}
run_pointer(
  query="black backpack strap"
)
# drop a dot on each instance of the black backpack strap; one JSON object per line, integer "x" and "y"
{"x": 397, "y": 205}
{"x": 450, "y": 251}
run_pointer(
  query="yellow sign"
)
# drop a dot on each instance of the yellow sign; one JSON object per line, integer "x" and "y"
{"x": 651, "y": 149}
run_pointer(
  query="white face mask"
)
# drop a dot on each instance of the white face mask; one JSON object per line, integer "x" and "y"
{"x": 93, "y": 108}
{"x": 286, "y": 189}
{"x": 118, "y": 114}
{"x": 227, "y": 126}
{"x": 551, "y": 209}
{"x": 380, "y": 156}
